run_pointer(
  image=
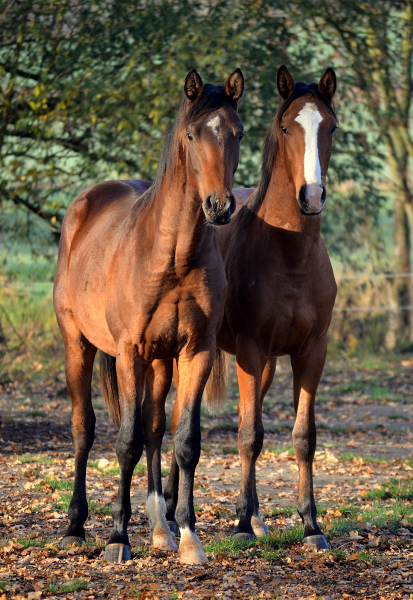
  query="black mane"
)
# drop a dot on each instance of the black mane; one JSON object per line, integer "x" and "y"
{"x": 269, "y": 152}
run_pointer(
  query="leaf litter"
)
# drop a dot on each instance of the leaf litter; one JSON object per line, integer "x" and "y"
{"x": 363, "y": 487}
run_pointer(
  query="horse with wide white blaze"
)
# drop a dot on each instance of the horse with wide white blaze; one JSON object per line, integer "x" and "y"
{"x": 281, "y": 293}
{"x": 140, "y": 277}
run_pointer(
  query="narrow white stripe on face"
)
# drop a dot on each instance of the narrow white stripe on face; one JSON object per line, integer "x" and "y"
{"x": 214, "y": 124}
{"x": 309, "y": 118}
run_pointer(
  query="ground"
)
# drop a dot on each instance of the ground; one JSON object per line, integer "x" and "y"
{"x": 363, "y": 486}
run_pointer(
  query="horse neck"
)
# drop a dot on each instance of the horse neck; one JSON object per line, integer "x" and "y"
{"x": 280, "y": 207}
{"x": 179, "y": 221}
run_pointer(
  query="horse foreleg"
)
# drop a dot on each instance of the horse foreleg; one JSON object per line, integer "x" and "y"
{"x": 79, "y": 357}
{"x": 250, "y": 433}
{"x": 258, "y": 526}
{"x": 157, "y": 384}
{"x": 307, "y": 371}
{"x": 194, "y": 369}
{"x": 129, "y": 446}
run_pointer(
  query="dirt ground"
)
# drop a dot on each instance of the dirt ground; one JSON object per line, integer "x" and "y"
{"x": 363, "y": 487}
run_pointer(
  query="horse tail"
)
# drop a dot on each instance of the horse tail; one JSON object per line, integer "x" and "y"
{"x": 216, "y": 388}
{"x": 109, "y": 381}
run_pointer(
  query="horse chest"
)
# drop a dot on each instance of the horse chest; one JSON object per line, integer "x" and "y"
{"x": 174, "y": 317}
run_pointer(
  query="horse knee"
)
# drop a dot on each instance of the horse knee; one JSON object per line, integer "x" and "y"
{"x": 83, "y": 430}
{"x": 304, "y": 445}
{"x": 250, "y": 441}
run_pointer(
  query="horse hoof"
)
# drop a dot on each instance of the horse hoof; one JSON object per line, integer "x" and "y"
{"x": 193, "y": 555}
{"x": 116, "y": 553}
{"x": 164, "y": 542}
{"x": 316, "y": 541}
{"x": 258, "y": 526}
{"x": 69, "y": 540}
{"x": 173, "y": 527}
{"x": 242, "y": 535}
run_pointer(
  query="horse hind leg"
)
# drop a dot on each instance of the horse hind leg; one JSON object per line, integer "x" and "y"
{"x": 79, "y": 358}
{"x": 251, "y": 433}
{"x": 307, "y": 371}
{"x": 157, "y": 384}
{"x": 259, "y": 528}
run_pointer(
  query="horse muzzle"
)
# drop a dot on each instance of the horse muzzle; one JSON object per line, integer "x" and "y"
{"x": 219, "y": 212}
{"x": 311, "y": 199}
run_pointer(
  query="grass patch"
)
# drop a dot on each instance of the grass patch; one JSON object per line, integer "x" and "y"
{"x": 38, "y": 458}
{"x": 56, "y": 484}
{"x": 386, "y": 517}
{"x": 284, "y": 510}
{"x": 368, "y": 558}
{"x": 367, "y": 459}
{"x": 3, "y": 584}
{"x": 113, "y": 470}
{"x": 67, "y": 586}
{"x": 270, "y": 548}
{"x": 63, "y": 502}
{"x": 230, "y": 450}
{"x": 32, "y": 543}
{"x": 395, "y": 488}
{"x": 165, "y": 471}
{"x": 98, "y": 509}
{"x": 135, "y": 592}
{"x": 282, "y": 449}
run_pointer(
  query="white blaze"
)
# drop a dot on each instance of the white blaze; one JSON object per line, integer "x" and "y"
{"x": 309, "y": 118}
{"x": 214, "y": 124}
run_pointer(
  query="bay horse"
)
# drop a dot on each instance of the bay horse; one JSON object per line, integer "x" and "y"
{"x": 281, "y": 293}
{"x": 140, "y": 277}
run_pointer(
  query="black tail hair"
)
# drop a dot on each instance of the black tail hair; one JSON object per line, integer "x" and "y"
{"x": 109, "y": 381}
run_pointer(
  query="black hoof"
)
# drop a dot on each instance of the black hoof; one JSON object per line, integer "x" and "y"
{"x": 173, "y": 527}
{"x": 316, "y": 541}
{"x": 116, "y": 553}
{"x": 242, "y": 535}
{"x": 69, "y": 540}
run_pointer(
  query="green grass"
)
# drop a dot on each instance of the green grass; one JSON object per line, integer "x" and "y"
{"x": 285, "y": 510}
{"x": 395, "y": 488}
{"x": 39, "y": 458}
{"x": 270, "y": 548}
{"x": 136, "y": 592}
{"x": 282, "y": 449}
{"x": 56, "y": 484}
{"x": 63, "y": 502}
{"x": 33, "y": 543}
{"x": 66, "y": 586}
{"x": 230, "y": 450}
{"x": 3, "y": 584}
{"x": 384, "y": 516}
{"x": 368, "y": 459}
{"x": 368, "y": 558}
{"x": 113, "y": 471}
{"x": 36, "y": 413}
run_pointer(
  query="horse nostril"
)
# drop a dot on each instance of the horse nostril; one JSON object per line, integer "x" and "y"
{"x": 323, "y": 195}
{"x": 232, "y": 205}
{"x": 208, "y": 203}
{"x": 303, "y": 196}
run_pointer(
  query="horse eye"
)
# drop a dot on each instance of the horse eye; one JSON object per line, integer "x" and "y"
{"x": 240, "y": 136}
{"x": 284, "y": 130}
{"x": 334, "y": 128}
{"x": 189, "y": 136}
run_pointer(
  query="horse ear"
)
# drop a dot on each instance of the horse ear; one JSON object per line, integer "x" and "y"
{"x": 285, "y": 82}
{"x": 193, "y": 85}
{"x": 234, "y": 87}
{"x": 328, "y": 84}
